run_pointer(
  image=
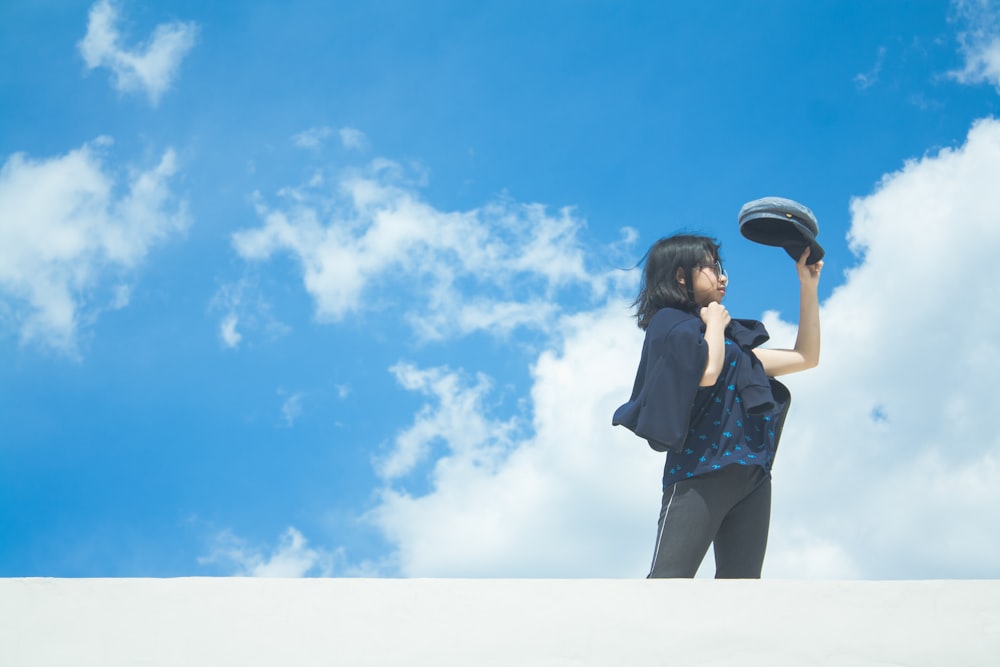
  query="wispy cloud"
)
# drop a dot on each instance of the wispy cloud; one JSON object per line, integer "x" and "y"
{"x": 291, "y": 407}
{"x": 456, "y": 416}
{"x": 245, "y": 312}
{"x": 312, "y": 138}
{"x": 369, "y": 228}
{"x": 69, "y": 226}
{"x": 228, "y": 333}
{"x": 868, "y": 79}
{"x": 150, "y": 68}
{"x": 315, "y": 137}
{"x": 353, "y": 138}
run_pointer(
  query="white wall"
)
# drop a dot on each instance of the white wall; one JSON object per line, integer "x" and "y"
{"x": 483, "y": 623}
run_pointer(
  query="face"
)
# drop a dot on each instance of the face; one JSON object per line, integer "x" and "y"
{"x": 710, "y": 282}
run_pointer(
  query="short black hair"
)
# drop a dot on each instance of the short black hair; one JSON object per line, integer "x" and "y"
{"x": 659, "y": 287}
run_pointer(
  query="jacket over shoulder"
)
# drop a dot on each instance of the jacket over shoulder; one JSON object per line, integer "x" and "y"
{"x": 673, "y": 360}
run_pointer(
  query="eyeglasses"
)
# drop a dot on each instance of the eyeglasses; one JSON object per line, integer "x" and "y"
{"x": 720, "y": 272}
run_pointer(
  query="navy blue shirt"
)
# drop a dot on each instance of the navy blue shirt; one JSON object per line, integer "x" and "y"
{"x": 736, "y": 421}
{"x": 721, "y": 431}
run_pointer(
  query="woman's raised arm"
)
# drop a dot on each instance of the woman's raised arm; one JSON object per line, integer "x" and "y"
{"x": 805, "y": 354}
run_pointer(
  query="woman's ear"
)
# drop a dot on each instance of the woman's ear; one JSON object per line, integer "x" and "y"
{"x": 679, "y": 276}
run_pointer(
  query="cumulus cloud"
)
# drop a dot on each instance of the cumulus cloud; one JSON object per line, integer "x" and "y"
{"x": 893, "y": 447}
{"x": 366, "y": 240}
{"x": 979, "y": 42}
{"x": 150, "y": 68}
{"x": 889, "y": 466}
{"x": 69, "y": 227}
{"x": 554, "y": 492}
{"x": 292, "y": 557}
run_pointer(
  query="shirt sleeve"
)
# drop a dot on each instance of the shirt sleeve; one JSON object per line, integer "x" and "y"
{"x": 661, "y": 403}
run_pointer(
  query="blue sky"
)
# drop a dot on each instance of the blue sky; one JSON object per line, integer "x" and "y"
{"x": 309, "y": 288}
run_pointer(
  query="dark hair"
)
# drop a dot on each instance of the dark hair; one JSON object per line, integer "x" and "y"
{"x": 659, "y": 287}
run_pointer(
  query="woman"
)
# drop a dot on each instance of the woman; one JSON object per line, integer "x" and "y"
{"x": 705, "y": 393}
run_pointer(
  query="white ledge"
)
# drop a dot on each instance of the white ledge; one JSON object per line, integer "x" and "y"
{"x": 215, "y": 622}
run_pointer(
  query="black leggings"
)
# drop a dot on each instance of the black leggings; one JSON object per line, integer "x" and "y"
{"x": 730, "y": 507}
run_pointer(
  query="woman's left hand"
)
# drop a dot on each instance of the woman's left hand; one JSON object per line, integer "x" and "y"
{"x": 808, "y": 273}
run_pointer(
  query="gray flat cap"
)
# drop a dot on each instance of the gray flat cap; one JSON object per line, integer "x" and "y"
{"x": 784, "y": 223}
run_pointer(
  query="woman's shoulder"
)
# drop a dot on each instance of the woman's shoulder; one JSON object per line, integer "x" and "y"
{"x": 673, "y": 321}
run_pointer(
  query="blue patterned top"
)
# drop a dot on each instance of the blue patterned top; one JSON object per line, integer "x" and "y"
{"x": 722, "y": 432}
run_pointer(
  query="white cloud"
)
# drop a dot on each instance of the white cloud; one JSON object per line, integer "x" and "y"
{"x": 573, "y": 498}
{"x": 353, "y": 138}
{"x": 891, "y": 449}
{"x": 807, "y": 555}
{"x": 456, "y": 418}
{"x": 150, "y": 68}
{"x": 291, "y": 407}
{"x": 312, "y": 138}
{"x": 227, "y": 331}
{"x": 68, "y": 226}
{"x": 371, "y": 231}
{"x": 980, "y": 43}
{"x": 121, "y": 295}
{"x": 868, "y": 79}
{"x": 889, "y": 466}
{"x": 454, "y": 316}
{"x": 244, "y": 311}
{"x": 293, "y": 557}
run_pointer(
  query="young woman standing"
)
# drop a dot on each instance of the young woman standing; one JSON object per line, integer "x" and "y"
{"x": 705, "y": 393}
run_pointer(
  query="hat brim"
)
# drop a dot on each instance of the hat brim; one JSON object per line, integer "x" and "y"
{"x": 775, "y": 229}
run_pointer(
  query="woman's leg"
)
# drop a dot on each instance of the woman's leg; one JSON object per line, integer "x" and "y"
{"x": 685, "y": 531}
{"x": 742, "y": 536}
